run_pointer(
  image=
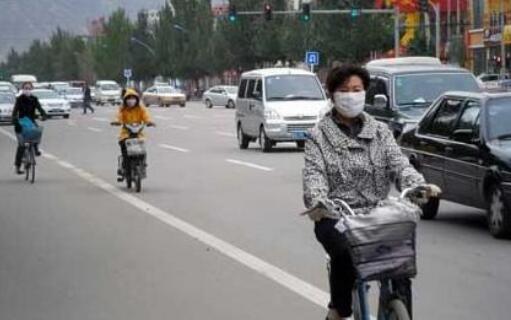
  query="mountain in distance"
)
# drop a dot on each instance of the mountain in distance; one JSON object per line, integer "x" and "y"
{"x": 22, "y": 21}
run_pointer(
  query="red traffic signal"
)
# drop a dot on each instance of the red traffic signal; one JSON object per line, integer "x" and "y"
{"x": 267, "y": 10}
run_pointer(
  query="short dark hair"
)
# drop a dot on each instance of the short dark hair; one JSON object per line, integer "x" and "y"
{"x": 339, "y": 75}
{"x": 27, "y": 83}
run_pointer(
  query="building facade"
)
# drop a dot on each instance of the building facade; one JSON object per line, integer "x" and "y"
{"x": 483, "y": 40}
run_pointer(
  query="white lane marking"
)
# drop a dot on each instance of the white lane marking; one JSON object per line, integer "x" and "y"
{"x": 94, "y": 129}
{"x": 226, "y": 134}
{"x": 224, "y": 116}
{"x": 178, "y": 127}
{"x": 274, "y": 273}
{"x": 169, "y": 147}
{"x": 249, "y": 164}
{"x": 189, "y": 116}
{"x": 162, "y": 118}
{"x": 100, "y": 119}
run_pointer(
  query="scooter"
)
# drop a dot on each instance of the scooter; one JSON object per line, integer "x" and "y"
{"x": 135, "y": 165}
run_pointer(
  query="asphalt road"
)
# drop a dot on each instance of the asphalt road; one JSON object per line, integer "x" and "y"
{"x": 215, "y": 234}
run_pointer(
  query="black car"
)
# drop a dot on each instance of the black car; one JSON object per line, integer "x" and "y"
{"x": 402, "y": 89}
{"x": 463, "y": 144}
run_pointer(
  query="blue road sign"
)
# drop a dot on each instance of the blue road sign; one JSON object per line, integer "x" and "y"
{"x": 128, "y": 73}
{"x": 312, "y": 58}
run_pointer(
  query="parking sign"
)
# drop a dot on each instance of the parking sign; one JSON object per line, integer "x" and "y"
{"x": 128, "y": 73}
{"x": 312, "y": 58}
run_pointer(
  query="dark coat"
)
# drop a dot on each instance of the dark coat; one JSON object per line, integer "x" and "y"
{"x": 26, "y": 106}
{"x": 87, "y": 97}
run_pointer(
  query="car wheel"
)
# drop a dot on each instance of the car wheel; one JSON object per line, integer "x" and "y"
{"x": 243, "y": 139}
{"x": 499, "y": 217}
{"x": 230, "y": 104}
{"x": 300, "y": 144}
{"x": 182, "y": 105}
{"x": 264, "y": 142}
{"x": 66, "y": 116}
{"x": 208, "y": 103}
{"x": 429, "y": 210}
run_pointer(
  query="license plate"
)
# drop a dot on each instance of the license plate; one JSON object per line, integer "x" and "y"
{"x": 300, "y": 135}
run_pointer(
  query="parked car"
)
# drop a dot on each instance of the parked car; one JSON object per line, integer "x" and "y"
{"x": 221, "y": 96}
{"x": 74, "y": 96}
{"x": 41, "y": 85}
{"x": 164, "y": 96}
{"x": 59, "y": 86}
{"x": 107, "y": 91}
{"x": 494, "y": 81}
{"x": 463, "y": 144}
{"x": 402, "y": 89}
{"x": 5, "y": 85}
{"x": 18, "y": 79}
{"x": 7, "y": 100}
{"x": 278, "y": 105}
{"x": 53, "y": 103}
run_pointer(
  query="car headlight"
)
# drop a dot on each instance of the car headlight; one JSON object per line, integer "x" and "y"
{"x": 270, "y": 114}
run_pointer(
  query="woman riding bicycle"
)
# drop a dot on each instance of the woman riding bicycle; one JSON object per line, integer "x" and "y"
{"x": 353, "y": 158}
{"x": 131, "y": 111}
{"x": 26, "y": 106}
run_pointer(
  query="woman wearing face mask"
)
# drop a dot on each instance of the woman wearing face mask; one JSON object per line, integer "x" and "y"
{"x": 131, "y": 111}
{"x": 26, "y": 106}
{"x": 354, "y": 158}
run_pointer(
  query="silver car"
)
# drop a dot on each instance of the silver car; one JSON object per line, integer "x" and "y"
{"x": 7, "y": 100}
{"x": 278, "y": 105}
{"x": 220, "y": 96}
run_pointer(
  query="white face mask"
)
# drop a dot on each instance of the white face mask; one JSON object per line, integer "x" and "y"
{"x": 27, "y": 92}
{"x": 131, "y": 102}
{"x": 350, "y": 104}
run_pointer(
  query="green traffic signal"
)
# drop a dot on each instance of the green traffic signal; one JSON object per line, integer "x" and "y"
{"x": 233, "y": 14}
{"x": 306, "y": 12}
{"x": 355, "y": 12}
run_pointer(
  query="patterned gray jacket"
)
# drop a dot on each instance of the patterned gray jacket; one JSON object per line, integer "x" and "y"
{"x": 358, "y": 170}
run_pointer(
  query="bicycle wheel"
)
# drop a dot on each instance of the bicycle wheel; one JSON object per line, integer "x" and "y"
{"x": 138, "y": 180}
{"x": 32, "y": 161}
{"x": 27, "y": 163}
{"x": 397, "y": 310}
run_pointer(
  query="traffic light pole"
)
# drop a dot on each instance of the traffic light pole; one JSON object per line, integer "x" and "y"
{"x": 394, "y": 12}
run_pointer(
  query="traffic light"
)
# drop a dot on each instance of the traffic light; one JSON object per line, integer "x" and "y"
{"x": 423, "y": 5}
{"x": 355, "y": 12}
{"x": 233, "y": 14}
{"x": 267, "y": 9}
{"x": 306, "y": 12}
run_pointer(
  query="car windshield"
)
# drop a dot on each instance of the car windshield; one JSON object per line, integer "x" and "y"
{"x": 110, "y": 87}
{"x": 6, "y": 98}
{"x": 293, "y": 87}
{"x": 499, "y": 113}
{"x": 167, "y": 90}
{"x": 421, "y": 89}
{"x": 46, "y": 94}
{"x": 73, "y": 91}
{"x": 231, "y": 90}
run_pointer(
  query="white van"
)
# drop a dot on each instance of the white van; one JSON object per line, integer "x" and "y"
{"x": 278, "y": 105}
{"x": 108, "y": 92}
{"x": 18, "y": 79}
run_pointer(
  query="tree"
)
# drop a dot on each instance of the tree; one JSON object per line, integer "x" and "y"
{"x": 112, "y": 51}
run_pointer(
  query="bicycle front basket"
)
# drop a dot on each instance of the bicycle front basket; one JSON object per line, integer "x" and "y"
{"x": 135, "y": 147}
{"x": 382, "y": 242}
{"x": 32, "y": 134}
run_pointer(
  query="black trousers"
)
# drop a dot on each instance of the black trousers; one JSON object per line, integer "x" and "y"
{"x": 342, "y": 273}
{"x": 124, "y": 153}
{"x": 86, "y": 105}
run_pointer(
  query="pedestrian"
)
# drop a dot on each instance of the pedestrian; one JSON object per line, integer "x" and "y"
{"x": 25, "y": 107}
{"x": 87, "y": 99}
{"x": 350, "y": 157}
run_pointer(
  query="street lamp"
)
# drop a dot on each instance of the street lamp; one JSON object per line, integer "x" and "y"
{"x": 145, "y": 45}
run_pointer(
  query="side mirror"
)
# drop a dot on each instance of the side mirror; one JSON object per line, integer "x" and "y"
{"x": 465, "y": 136}
{"x": 258, "y": 95}
{"x": 381, "y": 101}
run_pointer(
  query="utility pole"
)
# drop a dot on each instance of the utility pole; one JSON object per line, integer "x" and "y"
{"x": 397, "y": 47}
{"x": 502, "y": 44}
{"x": 458, "y": 18}
{"x": 436, "y": 7}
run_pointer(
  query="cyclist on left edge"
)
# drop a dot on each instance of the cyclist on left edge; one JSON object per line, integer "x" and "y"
{"x": 26, "y": 106}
